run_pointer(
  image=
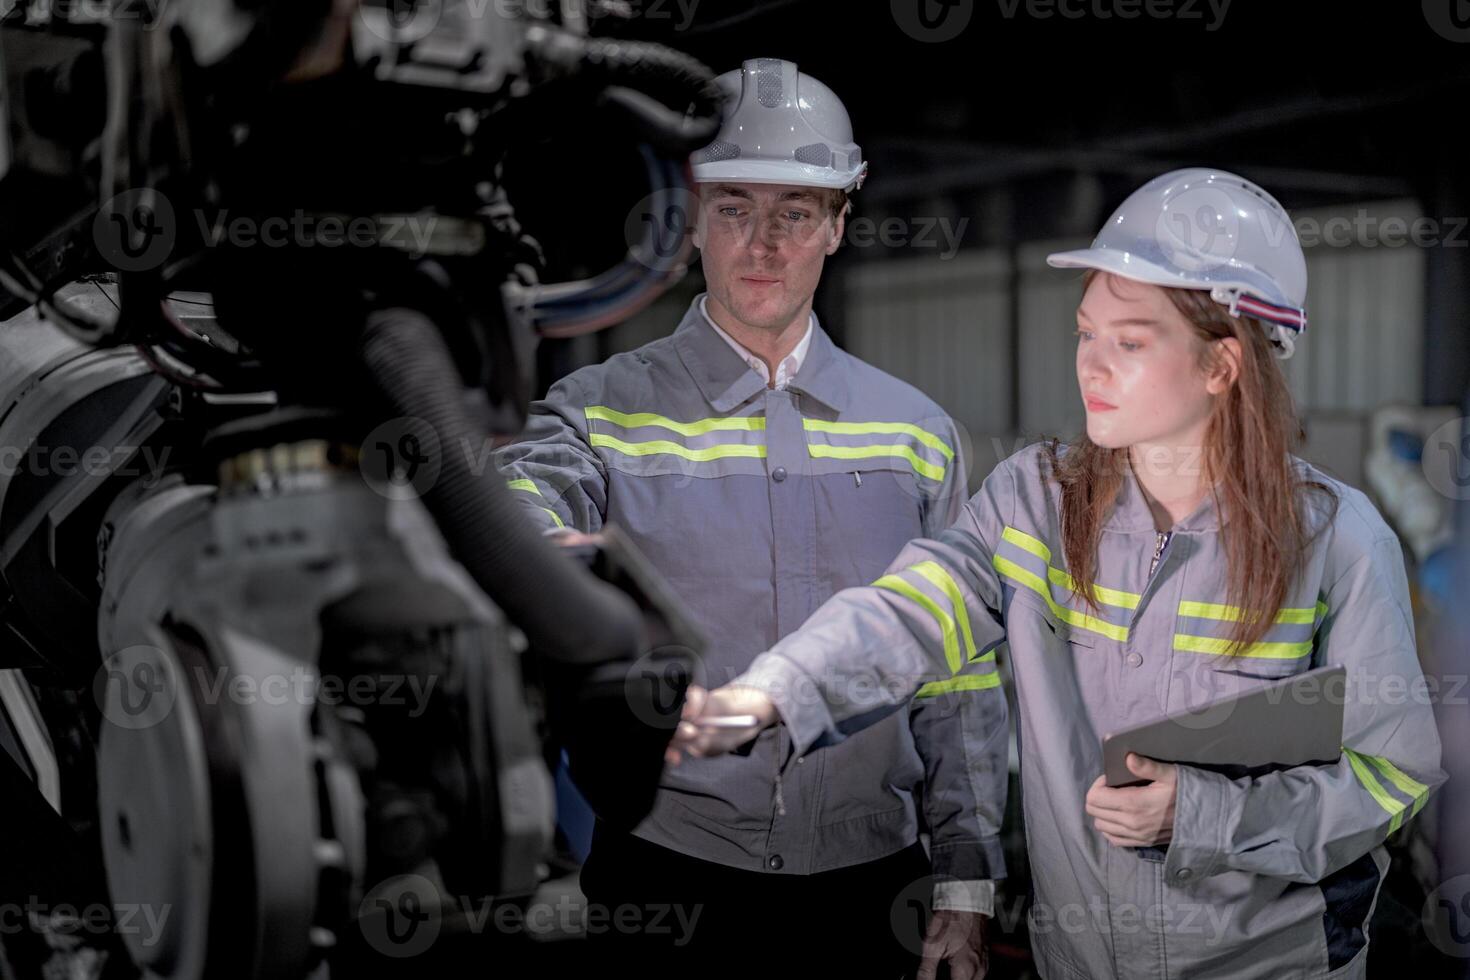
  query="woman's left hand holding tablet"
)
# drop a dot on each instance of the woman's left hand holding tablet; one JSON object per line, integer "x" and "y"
{"x": 1136, "y": 816}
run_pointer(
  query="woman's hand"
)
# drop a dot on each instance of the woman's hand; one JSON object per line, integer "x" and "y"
{"x": 1136, "y": 816}
{"x": 699, "y": 733}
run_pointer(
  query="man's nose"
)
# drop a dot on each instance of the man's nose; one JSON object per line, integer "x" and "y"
{"x": 765, "y": 236}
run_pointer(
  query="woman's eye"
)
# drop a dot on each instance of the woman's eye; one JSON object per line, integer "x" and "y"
{"x": 1083, "y": 334}
{"x": 1129, "y": 345}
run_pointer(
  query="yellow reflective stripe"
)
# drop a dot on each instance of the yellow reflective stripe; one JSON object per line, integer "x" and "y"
{"x": 1394, "y": 808}
{"x": 660, "y": 447}
{"x": 1260, "y": 651}
{"x": 1084, "y": 621}
{"x": 1233, "y": 614}
{"x": 874, "y": 428}
{"x": 942, "y": 580}
{"x": 921, "y": 466}
{"x": 946, "y": 624}
{"x": 1028, "y": 578}
{"x": 530, "y": 487}
{"x": 1108, "y": 597}
{"x": 1406, "y": 784}
{"x": 1103, "y": 594}
{"x": 964, "y": 682}
{"x": 525, "y": 485}
{"x": 638, "y": 419}
{"x": 1027, "y": 543}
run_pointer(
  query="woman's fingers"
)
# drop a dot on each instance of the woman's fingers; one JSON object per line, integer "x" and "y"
{"x": 1121, "y": 837}
{"x": 1115, "y": 828}
{"x": 718, "y": 721}
{"x": 694, "y": 700}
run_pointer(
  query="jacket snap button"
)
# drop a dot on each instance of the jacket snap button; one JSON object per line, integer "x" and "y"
{"x": 1134, "y": 659}
{"x": 775, "y": 862}
{"x": 778, "y": 474}
{"x": 1183, "y": 874}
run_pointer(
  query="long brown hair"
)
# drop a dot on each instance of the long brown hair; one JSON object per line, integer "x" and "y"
{"x": 1246, "y": 462}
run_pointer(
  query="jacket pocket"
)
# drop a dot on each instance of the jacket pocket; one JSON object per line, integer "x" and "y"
{"x": 1260, "y": 668}
{"x": 1287, "y": 647}
{"x": 878, "y": 513}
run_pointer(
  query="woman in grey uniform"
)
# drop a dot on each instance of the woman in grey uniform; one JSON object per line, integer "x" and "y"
{"x": 1175, "y": 553}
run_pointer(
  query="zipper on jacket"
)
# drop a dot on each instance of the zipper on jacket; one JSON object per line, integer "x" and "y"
{"x": 1159, "y": 546}
{"x": 780, "y": 797}
{"x": 858, "y": 477}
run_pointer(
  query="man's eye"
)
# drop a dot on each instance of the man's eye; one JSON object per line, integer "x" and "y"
{"x": 797, "y": 215}
{"x": 730, "y": 211}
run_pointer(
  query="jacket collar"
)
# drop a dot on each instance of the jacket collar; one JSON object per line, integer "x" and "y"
{"x": 1131, "y": 511}
{"x": 727, "y": 382}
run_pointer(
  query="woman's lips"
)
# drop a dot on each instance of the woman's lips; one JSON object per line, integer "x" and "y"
{"x": 1098, "y": 405}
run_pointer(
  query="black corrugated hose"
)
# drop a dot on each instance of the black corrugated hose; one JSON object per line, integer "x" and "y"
{"x": 564, "y": 612}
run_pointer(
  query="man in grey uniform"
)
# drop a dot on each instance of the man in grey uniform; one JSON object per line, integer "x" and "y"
{"x": 761, "y": 470}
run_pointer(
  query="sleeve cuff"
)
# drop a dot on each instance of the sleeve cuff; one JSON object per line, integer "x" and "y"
{"x": 965, "y": 896}
{"x": 968, "y": 859}
{"x": 1201, "y": 820}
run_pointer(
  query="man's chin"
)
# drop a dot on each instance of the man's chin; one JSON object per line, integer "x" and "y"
{"x": 763, "y": 316}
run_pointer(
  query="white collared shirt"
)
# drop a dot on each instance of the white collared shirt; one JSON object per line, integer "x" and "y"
{"x": 789, "y": 365}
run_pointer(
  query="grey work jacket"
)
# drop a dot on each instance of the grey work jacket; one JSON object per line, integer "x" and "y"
{"x": 1268, "y": 875}
{"x": 757, "y": 505}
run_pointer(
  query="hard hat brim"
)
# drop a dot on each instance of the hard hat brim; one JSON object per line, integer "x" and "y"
{"x": 1128, "y": 265}
{"x": 772, "y": 172}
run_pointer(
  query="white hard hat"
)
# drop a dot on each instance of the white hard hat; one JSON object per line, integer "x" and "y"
{"x": 781, "y": 127}
{"x": 1207, "y": 229}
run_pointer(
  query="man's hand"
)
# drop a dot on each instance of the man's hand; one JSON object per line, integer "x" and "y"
{"x": 698, "y": 736}
{"x": 1136, "y": 816}
{"x": 956, "y": 938}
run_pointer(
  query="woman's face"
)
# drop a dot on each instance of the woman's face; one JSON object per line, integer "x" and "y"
{"x": 1138, "y": 368}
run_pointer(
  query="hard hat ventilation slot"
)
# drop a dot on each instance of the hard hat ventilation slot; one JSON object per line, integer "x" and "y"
{"x": 768, "y": 82}
{"x": 717, "y": 151}
{"x": 815, "y": 154}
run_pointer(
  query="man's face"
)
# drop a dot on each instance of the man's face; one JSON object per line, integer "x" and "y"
{"x": 763, "y": 247}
